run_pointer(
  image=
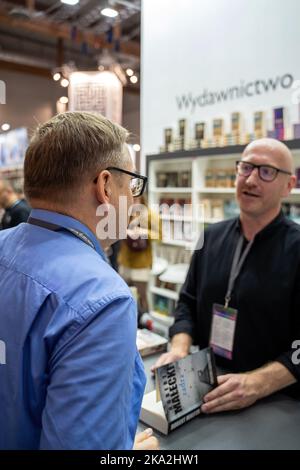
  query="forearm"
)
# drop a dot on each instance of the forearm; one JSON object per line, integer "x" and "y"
{"x": 271, "y": 378}
{"x": 181, "y": 344}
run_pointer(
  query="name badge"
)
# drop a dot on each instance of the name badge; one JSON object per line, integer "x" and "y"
{"x": 222, "y": 330}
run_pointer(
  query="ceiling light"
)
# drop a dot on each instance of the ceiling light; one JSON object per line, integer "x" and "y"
{"x": 70, "y": 2}
{"x": 5, "y": 127}
{"x": 136, "y": 147}
{"x": 56, "y": 76}
{"x": 129, "y": 72}
{"x": 134, "y": 79}
{"x": 64, "y": 82}
{"x": 110, "y": 12}
{"x": 63, "y": 100}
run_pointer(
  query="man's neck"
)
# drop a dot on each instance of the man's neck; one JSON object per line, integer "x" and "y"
{"x": 79, "y": 215}
{"x": 251, "y": 225}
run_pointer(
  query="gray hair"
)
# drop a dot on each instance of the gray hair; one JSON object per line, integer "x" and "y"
{"x": 68, "y": 150}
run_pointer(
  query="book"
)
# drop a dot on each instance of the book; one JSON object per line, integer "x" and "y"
{"x": 279, "y": 123}
{"x": 199, "y": 132}
{"x": 180, "y": 389}
{"x": 218, "y": 125}
{"x": 236, "y": 124}
{"x": 259, "y": 124}
{"x": 182, "y": 133}
{"x": 150, "y": 343}
{"x": 168, "y": 133}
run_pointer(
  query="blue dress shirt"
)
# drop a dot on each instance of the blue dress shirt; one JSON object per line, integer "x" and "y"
{"x": 70, "y": 373}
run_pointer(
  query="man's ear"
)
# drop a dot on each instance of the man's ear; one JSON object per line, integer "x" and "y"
{"x": 103, "y": 187}
{"x": 291, "y": 184}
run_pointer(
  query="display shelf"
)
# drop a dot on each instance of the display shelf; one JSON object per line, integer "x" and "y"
{"x": 215, "y": 166}
{"x": 170, "y": 294}
{"x": 216, "y": 190}
{"x": 171, "y": 190}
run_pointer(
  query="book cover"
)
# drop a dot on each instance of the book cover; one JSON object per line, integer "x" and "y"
{"x": 279, "y": 123}
{"x": 180, "y": 389}
{"x": 182, "y": 133}
{"x": 218, "y": 126}
{"x": 150, "y": 343}
{"x": 259, "y": 124}
{"x": 199, "y": 131}
{"x": 168, "y": 139}
{"x": 236, "y": 124}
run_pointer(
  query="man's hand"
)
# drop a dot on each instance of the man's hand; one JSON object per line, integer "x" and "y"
{"x": 180, "y": 348}
{"x": 167, "y": 358}
{"x": 146, "y": 441}
{"x": 234, "y": 391}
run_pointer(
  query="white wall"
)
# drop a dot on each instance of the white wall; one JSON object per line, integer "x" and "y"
{"x": 192, "y": 45}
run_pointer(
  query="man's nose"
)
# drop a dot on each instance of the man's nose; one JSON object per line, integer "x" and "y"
{"x": 253, "y": 177}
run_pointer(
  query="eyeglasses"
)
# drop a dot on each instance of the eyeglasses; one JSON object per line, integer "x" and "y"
{"x": 137, "y": 182}
{"x": 266, "y": 173}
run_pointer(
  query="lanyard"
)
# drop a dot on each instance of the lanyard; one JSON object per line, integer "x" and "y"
{"x": 56, "y": 228}
{"x": 236, "y": 267}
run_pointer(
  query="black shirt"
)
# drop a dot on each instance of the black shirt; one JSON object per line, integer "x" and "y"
{"x": 266, "y": 294}
{"x": 16, "y": 214}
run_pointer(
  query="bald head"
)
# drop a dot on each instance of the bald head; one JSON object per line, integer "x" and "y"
{"x": 278, "y": 152}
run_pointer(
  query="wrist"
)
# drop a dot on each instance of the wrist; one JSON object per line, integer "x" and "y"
{"x": 259, "y": 385}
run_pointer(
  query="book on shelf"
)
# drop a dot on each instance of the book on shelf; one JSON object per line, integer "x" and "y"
{"x": 199, "y": 133}
{"x": 182, "y": 134}
{"x": 168, "y": 134}
{"x": 150, "y": 343}
{"x": 259, "y": 124}
{"x": 180, "y": 389}
{"x": 279, "y": 123}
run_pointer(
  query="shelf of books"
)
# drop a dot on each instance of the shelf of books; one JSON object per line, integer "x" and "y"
{"x": 191, "y": 189}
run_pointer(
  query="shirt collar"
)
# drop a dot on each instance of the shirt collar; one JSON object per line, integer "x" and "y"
{"x": 266, "y": 230}
{"x": 68, "y": 222}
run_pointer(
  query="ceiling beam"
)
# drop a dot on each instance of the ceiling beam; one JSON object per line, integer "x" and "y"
{"x": 63, "y": 31}
{"x": 32, "y": 69}
{"x": 47, "y": 73}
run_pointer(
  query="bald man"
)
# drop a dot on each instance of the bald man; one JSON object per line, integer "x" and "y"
{"x": 242, "y": 291}
{"x": 16, "y": 210}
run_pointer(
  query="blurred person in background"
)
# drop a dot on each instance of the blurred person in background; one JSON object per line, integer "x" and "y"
{"x": 16, "y": 209}
{"x": 135, "y": 254}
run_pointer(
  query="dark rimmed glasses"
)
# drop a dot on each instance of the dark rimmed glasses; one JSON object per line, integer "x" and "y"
{"x": 137, "y": 182}
{"x": 266, "y": 173}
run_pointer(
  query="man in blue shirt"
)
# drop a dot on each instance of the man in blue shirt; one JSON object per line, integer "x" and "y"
{"x": 70, "y": 373}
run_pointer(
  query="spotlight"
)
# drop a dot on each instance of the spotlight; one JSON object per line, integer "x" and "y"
{"x": 70, "y": 2}
{"x": 129, "y": 72}
{"x": 134, "y": 79}
{"x": 136, "y": 147}
{"x": 63, "y": 99}
{"x": 110, "y": 12}
{"x": 56, "y": 76}
{"x": 64, "y": 82}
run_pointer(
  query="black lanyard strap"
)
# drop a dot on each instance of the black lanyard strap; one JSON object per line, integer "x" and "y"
{"x": 236, "y": 267}
{"x": 55, "y": 228}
